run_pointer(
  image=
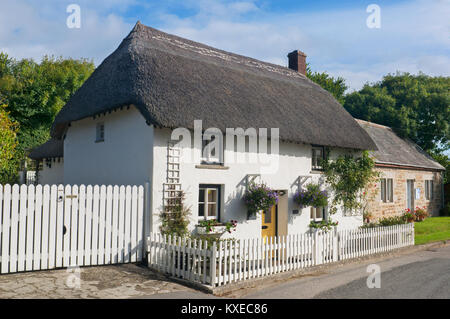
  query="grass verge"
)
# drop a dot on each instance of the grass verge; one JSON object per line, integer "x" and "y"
{"x": 432, "y": 229}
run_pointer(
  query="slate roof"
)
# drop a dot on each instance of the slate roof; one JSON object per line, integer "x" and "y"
{"x": 393, "y": 150}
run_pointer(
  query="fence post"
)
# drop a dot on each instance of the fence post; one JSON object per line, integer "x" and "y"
{"x": 213, "y": 264}
{"x": 315, "y": 248}
{"x": 147, "y": 215}
{"x": 335, "y": 244}
{"x": 412, "y": 234}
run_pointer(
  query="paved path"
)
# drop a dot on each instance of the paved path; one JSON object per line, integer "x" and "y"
{"x": 118, "y": 281}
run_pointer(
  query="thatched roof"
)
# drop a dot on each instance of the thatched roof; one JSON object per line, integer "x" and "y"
{"x": 393, "y": 150}
{"x": 173, "y": 81}
{"x": 53, "y": 148}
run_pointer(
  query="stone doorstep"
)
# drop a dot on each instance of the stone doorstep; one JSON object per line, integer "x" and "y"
{"x": 223, "y": 291}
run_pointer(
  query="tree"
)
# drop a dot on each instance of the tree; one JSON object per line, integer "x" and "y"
{"x": 444, "y": 160}
{"x": 415, "y": 106}
{"x": 336, "y": 86}
{"x": 36, "y": 92}
{"x": 8, "y": 148}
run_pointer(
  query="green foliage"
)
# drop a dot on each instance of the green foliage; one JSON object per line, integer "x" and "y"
{"x": 8, "y": 148}
{"x": 324, "y": 225}
{"x": 415, "y": 106}
{"x": 444, "y": 160}
{"x": 336, "y": 86}
{"x": 209, "y": 224}
{"x": 175, "y": 217}
{"x": 35, "y": 92}
{"x": 349, "y": 178}
{"x": 311, "y": 196}
{"x": 392, "y": 220}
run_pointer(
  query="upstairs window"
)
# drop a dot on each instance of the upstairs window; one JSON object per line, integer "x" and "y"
{"x": 429, "y": 189}
{"x": 387, "y": 192}
{"x": 318, "y": 154}
{"x": 100, "y": 132}
{"x": 212, "y": 149}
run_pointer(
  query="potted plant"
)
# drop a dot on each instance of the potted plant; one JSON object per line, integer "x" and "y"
{"x": 311, "y": 196}
{"x": 367, "y": 216}
{"x": 214, "y": 227}
{"x": 409, "y": 216}
{"x": 259, "y": 197}
{"x": 324, "y": 225}
{"x": 420, "y": 214}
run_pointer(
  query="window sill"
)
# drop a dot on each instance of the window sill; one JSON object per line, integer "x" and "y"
{"x": 211, "y": 166}
{"x": 315, "y": 171}
{"x": 99, "y": 141}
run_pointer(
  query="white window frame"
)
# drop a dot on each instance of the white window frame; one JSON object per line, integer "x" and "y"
{"x": 429, "y": 189}
{"x": 206, "y": 203}
{"x": 387, "y": 190}
{"x": 314, "y": 165}
{"x": 100, "y": 132}
{"x": 314, "y": 218}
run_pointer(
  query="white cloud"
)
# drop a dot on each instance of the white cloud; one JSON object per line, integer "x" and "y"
{"x": 30, "y": 31}
{"x": 413, "y": 35}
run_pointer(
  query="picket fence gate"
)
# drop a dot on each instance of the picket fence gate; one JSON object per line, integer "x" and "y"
{"x": 235, "y": 260}
{"x": 47, "y": 227}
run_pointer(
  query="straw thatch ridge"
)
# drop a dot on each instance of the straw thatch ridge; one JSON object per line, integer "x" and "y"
{"x": 53, "y": 148}
{"x": 394, "y": 150}
{"x": 174, "y": 81}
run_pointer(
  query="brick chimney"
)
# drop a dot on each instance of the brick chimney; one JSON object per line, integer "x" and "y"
{"x": 297, "y": 61}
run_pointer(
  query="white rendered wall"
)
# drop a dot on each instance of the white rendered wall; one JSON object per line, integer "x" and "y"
{"x": 53, "y": 174}
{"x": 294, "y": 160}
{"x": 124, "y": 158}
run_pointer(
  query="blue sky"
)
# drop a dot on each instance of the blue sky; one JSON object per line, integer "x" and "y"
{"x": 414, "y": 35}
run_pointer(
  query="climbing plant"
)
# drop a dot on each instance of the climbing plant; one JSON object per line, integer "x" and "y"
{"x": 350, "y": 178}
{"x": 175, "y": 217}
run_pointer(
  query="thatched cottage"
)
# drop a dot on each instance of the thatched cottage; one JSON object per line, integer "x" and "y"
{"x": 118, "y": 129}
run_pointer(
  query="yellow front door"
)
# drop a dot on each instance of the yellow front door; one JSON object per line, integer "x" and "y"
{"x": 269, "y": 222}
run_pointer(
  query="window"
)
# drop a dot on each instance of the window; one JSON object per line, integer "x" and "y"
{"x": 429, "y": 189}
{"x": 212, "y": 149}
{"x": 317, "y": 214}
{"x": 209, "y": 201}
{"x": 100, "y": 132}
{"x": 318, "y": 154}
{"x": 387, "y": 192}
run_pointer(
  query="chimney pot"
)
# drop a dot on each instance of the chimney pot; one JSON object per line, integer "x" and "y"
{"x": 297, "y": 61}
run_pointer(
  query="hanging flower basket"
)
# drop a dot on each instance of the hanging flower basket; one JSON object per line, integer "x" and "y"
{"x": 259, "y": 197}
{"x": 311, "y": 196}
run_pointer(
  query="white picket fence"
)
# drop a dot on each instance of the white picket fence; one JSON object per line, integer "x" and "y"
{"x": 46, "y": 227}
{"x": 242, "y": 259}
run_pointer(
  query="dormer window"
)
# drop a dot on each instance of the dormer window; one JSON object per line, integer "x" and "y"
{"x": 100, "y": 132}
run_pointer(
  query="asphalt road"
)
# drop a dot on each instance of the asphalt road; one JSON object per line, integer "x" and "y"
{"x": 422, "y": 274}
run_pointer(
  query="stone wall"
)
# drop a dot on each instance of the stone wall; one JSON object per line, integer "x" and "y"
{"x": 379, "y": 209}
